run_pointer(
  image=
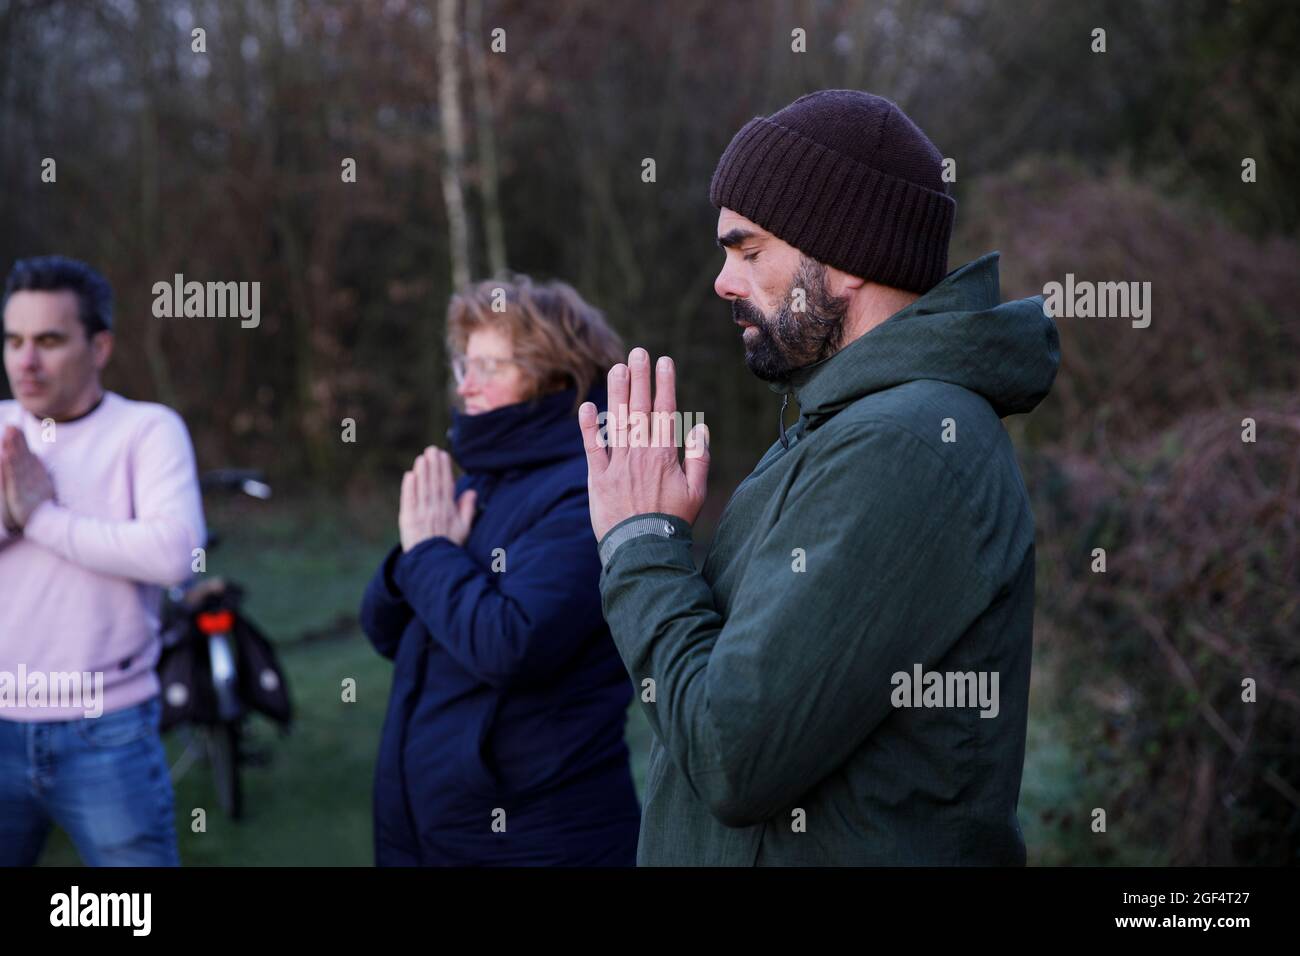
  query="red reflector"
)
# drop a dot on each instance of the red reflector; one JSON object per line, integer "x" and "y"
{"x": 216, "y": 622}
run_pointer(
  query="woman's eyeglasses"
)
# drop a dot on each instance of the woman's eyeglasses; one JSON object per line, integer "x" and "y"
{"x": 482, "y": 368}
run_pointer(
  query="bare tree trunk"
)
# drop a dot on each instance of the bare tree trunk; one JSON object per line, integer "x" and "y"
{"x": 453, "y": 143}
{"x": 147, "y": 39}
{"x": 494, "y": 233}
{"x": 155, "y": 354}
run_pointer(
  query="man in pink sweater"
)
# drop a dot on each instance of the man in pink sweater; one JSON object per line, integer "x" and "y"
{"x": 101, "y": 511}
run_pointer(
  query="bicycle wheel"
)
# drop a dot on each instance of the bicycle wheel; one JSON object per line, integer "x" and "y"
{"x": 223, "y": 754}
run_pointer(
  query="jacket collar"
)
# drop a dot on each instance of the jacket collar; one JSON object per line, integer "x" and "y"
{"x": 956, "y": 333}
{"x": 521, "y": 436}
{"x": 812, "y": 384}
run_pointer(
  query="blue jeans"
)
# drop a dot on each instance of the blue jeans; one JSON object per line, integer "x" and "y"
{"x": 104, "y": 780}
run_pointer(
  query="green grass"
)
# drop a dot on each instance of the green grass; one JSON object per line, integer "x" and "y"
{"x": 304, "y": 565}
{"x": 310, "y": 804}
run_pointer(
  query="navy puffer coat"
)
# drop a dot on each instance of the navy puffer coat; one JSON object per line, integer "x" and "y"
{"x": 503, "y": 742}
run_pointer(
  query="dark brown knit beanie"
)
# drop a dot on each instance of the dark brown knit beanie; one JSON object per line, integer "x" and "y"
{"x": 847, "y": 179}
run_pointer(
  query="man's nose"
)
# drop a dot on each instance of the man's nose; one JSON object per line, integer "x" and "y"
{"x": 728, "y": 285}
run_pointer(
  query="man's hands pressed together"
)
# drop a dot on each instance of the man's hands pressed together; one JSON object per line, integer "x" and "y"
{"x": 428, "y": 509}
{"x": 641, "y": 475}
{"x": 24, "y": 482}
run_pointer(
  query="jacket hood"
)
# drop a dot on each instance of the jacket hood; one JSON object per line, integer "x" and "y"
{"x": 956, "y": 333}
{"x": 523, "y": 435}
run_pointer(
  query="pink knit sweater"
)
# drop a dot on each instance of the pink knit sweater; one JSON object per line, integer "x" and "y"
{"x": 80, "y": 588}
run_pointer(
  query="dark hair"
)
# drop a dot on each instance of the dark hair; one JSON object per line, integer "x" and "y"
{"x": 57, "y": 273}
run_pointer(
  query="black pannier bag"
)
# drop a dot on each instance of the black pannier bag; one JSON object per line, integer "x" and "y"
{"x": 185, "y": 673}
{"x": 261, "y": 679}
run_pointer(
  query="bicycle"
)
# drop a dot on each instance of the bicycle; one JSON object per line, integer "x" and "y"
{"x": 216, "y": 665}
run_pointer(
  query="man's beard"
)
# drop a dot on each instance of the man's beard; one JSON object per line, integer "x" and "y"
{"x": 789, "y": 340}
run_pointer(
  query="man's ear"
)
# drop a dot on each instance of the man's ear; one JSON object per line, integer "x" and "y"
{"x": 101, "y": 348}
{"x": 841, "y": 283}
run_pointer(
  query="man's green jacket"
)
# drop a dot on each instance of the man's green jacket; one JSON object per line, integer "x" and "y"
{"x": 846, "y": 679}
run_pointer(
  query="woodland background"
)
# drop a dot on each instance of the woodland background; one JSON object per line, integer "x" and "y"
{"x": 1116, "y": 166}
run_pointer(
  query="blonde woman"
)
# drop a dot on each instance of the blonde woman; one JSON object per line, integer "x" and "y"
{"x": 503, "y": 743}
